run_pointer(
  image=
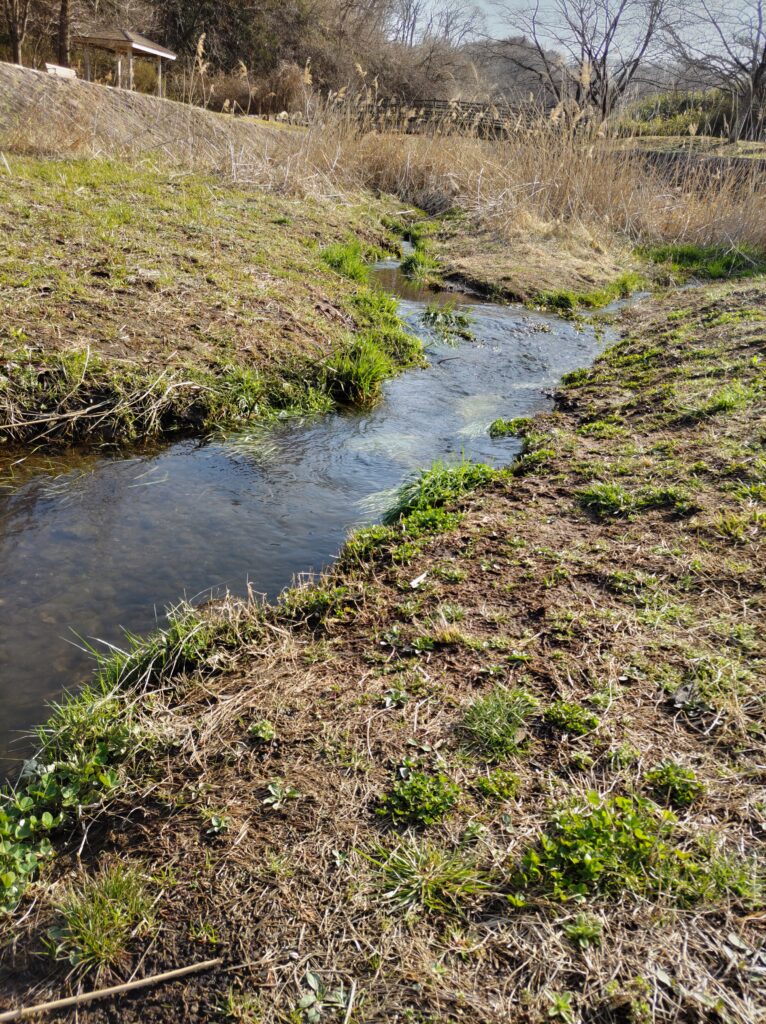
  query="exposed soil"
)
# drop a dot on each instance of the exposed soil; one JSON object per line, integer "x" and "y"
{"x": 646, "y": 610}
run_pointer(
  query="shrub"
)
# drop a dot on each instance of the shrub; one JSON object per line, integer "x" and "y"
{"x": 420, "y": 799}
{"x": 496, "y": 724}
{"x": 420, "y": 876}
{"x": 571, "y": 718}
{"x": 674, "y": 784}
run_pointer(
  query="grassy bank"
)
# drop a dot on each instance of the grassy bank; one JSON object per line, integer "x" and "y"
{"x": 503, "y": 763}
{"x": 136, "y": 302}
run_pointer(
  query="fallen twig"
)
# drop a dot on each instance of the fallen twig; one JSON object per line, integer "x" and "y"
{"x": 88, "y": 997}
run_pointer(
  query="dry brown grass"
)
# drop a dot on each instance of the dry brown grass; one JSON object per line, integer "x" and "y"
{"x": 541, "y": 182}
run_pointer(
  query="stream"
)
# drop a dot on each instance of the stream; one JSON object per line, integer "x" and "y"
{"x": 92, "y": 545}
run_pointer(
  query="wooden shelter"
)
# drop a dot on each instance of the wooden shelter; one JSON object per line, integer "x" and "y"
{"x": 126, "y": 46}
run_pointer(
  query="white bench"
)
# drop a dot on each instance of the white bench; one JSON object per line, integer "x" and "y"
{"x": 59, "y": 72}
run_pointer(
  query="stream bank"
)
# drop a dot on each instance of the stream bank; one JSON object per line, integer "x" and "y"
{"x": 504, "y": 759}
{"x": 96, "y": 546}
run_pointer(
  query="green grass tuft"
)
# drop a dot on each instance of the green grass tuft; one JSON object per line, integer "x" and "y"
{"x": 99, "y": 917}
{"x": 356, "y": 372}
{"x": 418, "y": 876}
{"x": 347, "y": 259}
{"x": 710, "y": 262}
{"x": 496, "y": 724}
{"x": 437, "y": 486}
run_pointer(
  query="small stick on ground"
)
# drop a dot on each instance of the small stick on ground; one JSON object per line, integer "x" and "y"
{"x": 88, "y": 997}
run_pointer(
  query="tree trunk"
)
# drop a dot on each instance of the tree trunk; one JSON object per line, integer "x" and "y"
{"x": 15, "y": 45}
{"x": 63, "y": 40}
{"x": 16, "y": 16}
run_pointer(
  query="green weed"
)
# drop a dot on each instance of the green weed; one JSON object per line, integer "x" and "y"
{"x": 618, "y": 844}
{"x": 583, "y": 931}
{"x": 571, "y": 718}
{"x": 262, "y": 731}
{"x": 674, "y": 784}
{"x": 500, "y": 785}
{"x": 607, "y": 844}
{"x": 279, "y": 794}
{"x": 419, "y": 799}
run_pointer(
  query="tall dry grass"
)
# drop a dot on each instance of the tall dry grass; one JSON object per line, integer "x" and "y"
{"x": 538, "y": 179}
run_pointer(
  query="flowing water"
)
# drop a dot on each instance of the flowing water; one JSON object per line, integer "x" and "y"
{"x": 93, "y": 545}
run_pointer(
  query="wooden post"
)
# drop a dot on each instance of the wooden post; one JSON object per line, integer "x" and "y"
{"x": 130, "y": 71}
{"x": 159, "y": 76}
{"x": 87, "y": 63}
{"x": 119, "y": 70}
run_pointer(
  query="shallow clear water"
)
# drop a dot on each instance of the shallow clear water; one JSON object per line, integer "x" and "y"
{"x": 93, "y": 545}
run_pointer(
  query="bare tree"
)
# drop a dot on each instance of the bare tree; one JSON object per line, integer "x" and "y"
{"x": 16, "y": 14}
{"x": 724, "y": 46}
{"x": 452, "y": 22}
{"x": 587, "y": 52}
